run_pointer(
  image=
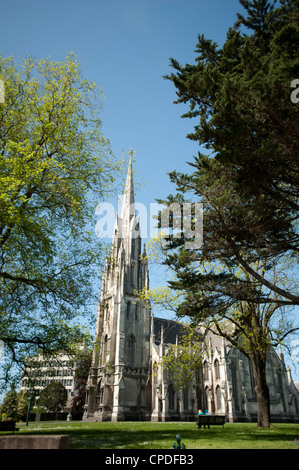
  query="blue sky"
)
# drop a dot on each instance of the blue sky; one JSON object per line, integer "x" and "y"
{"x": 124, "y": 46}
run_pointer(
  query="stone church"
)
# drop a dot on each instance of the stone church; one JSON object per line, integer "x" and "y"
{"x": 127, "y": 380}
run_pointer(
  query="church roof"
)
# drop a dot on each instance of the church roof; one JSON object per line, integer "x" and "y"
{"x": 171, "y": 330}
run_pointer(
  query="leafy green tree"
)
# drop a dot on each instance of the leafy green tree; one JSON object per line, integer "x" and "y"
{"x": 250, "y": 326}
{"x": 55, "y": 166}
{"x": 249, "y": 318}
{"x": 53, "y": 397}
{"x": 10, "y": 404}
{"x": 83, "y": 363}
{"x": 23, "y": 402}
{"x": 182, "y": 361}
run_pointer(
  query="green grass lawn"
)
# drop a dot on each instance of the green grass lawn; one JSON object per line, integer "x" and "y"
{"x": 147, "y": 435}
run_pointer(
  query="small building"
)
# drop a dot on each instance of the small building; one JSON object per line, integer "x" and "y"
{"x": 39, "y": 371}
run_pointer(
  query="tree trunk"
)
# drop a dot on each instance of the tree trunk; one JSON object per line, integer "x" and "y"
{"x": 262, "y": 393}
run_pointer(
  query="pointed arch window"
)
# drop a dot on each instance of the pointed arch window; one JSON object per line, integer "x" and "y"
{"x": 133, "y": 247}
{"x": 105, "y": 349}
{"x": 131, "y": 350}
{"x": 155, "y": 373}
{"x": 207, "y": 400}
{"x": 132, "y": 274}
{"x": 171, "y": 397}
{"x": 218, "y": 398}
{"x": 235, "y": 386}
{"x": 217, "y": 370}
{"x": 205, "y": 371}
{"x": 99, "y": 393}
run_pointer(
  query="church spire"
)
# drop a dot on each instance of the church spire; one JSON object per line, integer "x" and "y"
{"x": 128, "y": 203}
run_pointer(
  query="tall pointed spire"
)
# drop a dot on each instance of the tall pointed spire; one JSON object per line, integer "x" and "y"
{"x": 128, "y": 202}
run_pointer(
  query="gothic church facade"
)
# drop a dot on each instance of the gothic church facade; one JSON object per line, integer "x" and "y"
{"x": 127, "y": 380}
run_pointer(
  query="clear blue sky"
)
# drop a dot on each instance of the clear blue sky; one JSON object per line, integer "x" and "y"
{"x": 124, "y": 46}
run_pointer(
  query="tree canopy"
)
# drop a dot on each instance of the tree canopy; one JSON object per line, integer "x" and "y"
{"x": 53, "y": 397}
{"x": 55, "y": 166}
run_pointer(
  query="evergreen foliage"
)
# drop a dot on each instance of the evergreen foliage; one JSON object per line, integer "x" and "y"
{"x": 9, "y": 408}
{"x": 240, "y": 98}
{"x": 53, "y": 397}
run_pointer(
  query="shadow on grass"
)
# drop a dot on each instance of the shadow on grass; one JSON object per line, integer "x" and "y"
{"x": 146, "y": 435}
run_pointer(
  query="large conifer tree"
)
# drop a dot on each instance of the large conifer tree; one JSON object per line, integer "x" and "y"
{"x": 239, "y": 97}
